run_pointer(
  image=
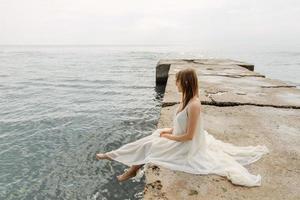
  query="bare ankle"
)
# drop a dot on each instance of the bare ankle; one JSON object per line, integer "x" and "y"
{"x": 102, "y": 156}
{"x": 127, "y": 175}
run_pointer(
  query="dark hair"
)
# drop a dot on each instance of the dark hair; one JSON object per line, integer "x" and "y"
{"x": 188, "y": 80}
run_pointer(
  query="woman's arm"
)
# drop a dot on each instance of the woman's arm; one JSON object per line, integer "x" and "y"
{"x": 166, "y": 131}
{"x": 179, "y": 138}
{"x": 194, "y": 114}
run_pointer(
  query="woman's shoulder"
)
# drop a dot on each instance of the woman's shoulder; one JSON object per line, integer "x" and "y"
{"x": 195, "y": 103}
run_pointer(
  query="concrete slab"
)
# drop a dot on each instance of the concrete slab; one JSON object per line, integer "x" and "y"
{"x": 163, "y": 66}
{"x": 234, "y": 85}
{"x": 277, "y": 128}
{"x": 250, "y": 90}
{"x": 244, "y": 108}
{"x": 233, "y": 71}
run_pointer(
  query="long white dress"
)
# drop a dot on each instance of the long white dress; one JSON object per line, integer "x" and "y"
{"x": 202, "y": 155}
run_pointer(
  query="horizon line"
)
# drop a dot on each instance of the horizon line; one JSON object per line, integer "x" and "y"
{"x": 97, "y": 45}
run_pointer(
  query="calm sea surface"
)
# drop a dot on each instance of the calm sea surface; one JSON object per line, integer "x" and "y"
{"x": 59, "y": 105}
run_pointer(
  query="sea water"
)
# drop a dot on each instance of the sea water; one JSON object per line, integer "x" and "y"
{"x": 60, "y": 105}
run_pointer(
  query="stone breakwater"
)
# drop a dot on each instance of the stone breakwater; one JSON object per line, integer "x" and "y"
{"x": 242, "y": 107}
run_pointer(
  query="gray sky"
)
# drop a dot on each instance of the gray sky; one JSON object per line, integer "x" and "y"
{"x": 215, "y": 23}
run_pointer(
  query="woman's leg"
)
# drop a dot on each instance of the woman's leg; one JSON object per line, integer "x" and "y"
{"x": 102, "y": 156}
{"x": 126, "y": 175}
{"x": 130, "y": 173}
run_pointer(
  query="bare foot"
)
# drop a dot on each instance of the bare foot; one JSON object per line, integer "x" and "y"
{"x": 100, "y": 156}
{"x": 126, "y": 175}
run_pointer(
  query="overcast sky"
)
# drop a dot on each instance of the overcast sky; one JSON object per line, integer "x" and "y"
{"x": 269, "y": 23}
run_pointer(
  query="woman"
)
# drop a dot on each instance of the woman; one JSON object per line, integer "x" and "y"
{"x": 187, "y": 146}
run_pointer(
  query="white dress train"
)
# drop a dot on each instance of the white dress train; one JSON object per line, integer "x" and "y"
{"x": 202, "y": 155}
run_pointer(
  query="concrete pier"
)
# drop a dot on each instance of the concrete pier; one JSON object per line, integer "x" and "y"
{"x": 242, "y": 107}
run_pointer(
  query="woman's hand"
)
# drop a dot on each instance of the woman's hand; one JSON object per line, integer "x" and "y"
{"x": 167, "y": 130}
{"x": 166, "y": 135}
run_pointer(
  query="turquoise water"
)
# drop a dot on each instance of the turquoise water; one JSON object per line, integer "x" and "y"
{"x": 62, "y": 104}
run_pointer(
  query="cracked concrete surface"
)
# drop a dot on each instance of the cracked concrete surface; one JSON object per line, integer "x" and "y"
{"x": 248, "y": 110}
{"x": 239, "y": 86}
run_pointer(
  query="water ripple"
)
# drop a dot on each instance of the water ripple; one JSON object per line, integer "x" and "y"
{"x": 59, "y": 109}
